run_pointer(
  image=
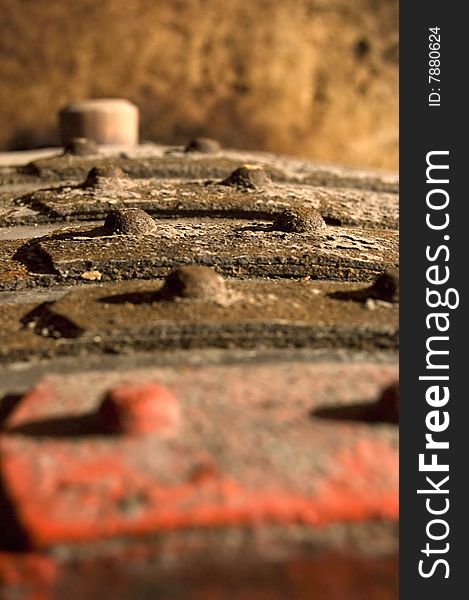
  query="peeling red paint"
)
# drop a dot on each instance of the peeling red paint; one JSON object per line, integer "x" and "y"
{"x": 79, "y": 500}
{"x": 248, "y": 452}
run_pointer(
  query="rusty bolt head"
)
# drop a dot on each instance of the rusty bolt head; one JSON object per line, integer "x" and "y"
{"x": 386, "y": 287}
{"x": 129, "y": 221}
{"x": 194, "y": 283}
{"x": 203, "y": 145}
{"x": 81, "y": 147}
{"x": 135, "y": 410}
{"x": 104, "y": 176}
{"x": 299, "y": 220}
{"x": 248, "y": 177}
{"x": 387, "y": 407}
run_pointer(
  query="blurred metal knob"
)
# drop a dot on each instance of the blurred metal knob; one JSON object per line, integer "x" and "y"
{"x": 104, "y": 121}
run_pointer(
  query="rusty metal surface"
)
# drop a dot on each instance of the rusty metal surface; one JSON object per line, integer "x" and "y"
{"x": 252, "y": 314}
{"x": 177, "y": 199}
{"x": 239, "y": 249}
{"x": 226, "y": 431}
{"x": 159, "y": 161}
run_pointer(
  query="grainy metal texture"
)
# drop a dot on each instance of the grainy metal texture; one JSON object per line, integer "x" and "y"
{"x": 236, "y": 248}
{"x": 254, "y": 449}
{"x": 176, "y": 198}
{"x": 249, "y": 315}
{"x": 152, "y": 160}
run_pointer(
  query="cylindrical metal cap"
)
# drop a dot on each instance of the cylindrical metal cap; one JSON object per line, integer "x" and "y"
{"x": 104, "y": 120}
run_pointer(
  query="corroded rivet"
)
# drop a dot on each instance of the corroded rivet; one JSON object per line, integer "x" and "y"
{"x": 138, "y": 410}
{"x": 299, "y": 220}
{"x": 104, "y": 175}
{"x": 386, "y": 287}
{"x": 202, "y": 144}
{"x": 129, "y": 221}
{"x": 104, "y": 120}
{"x": 248, "y": 176}
{"x": 195, "y": 283}
{"x": 81, "y": 147}
{"x": 387, "y": 407}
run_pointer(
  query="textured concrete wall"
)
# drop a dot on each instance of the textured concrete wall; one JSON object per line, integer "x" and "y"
{"x": 316, "y": 78}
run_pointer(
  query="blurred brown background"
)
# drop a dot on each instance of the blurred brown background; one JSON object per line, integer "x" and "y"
{"x": 314, "y": 78}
